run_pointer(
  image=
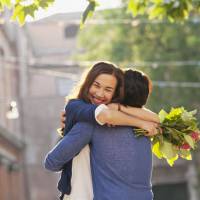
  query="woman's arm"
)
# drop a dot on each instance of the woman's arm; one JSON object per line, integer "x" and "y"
{"x": 85, "y": 112}
{"x": 80, "y": 111}
{"x": 115, "y": 117}
{"x": 77, "y": 110}
{"x": 141, "y": 113}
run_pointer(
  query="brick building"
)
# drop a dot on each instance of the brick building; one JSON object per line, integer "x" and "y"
{"x": 11, "y": 167}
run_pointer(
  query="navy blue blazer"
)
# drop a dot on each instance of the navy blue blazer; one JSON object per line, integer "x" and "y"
{"x": 76, "y": 111}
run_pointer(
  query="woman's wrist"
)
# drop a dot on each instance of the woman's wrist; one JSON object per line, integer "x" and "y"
{"x": 123, "y": 109}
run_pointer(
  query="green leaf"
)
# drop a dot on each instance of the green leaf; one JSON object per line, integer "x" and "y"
{"x": 30, "y": 10}
{"x": 172, "y": 160}
{"x": 18, "y": 8}
{"x": 137, "y": 7}
{"x": 162, "y": 114}
{"x": 45, "y": 3}
{"x": 156, "y": 150}
{"x": 19, "y": 14}
{"x": 189, "y": 140}
{"x": 6, "y": 3}
{"x": 21, "y": 17}
{"x": 88, "y": 11}
{"x": 167, "y": 150}
{"x": 188, "y": 116}
{"x": 132, "y": 7}
{"x": 1, "y": 7}
{"x": 157, "y": 12}
{"x": 175, "y": 134}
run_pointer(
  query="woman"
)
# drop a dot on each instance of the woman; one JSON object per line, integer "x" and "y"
{"x": 101, "y": 87}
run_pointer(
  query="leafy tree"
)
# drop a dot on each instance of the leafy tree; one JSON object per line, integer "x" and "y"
{"x": 23, "y": 8}
{"x": 173, "y": 10}
{"x": 156, "y": 48}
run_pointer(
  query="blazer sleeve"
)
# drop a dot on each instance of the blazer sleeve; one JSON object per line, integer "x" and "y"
{"x": 79, "y": 136}
{"x": 80, "y": 111}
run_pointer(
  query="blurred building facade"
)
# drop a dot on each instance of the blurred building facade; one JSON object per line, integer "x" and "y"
{"x": 11, "y": 166}
{"x": 12, "y": 177}
{"x": 34, "y": 75}
{"x": 37, "y": 72}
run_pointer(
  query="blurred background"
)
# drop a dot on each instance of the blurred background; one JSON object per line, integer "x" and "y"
{"x": 42, "y": 61}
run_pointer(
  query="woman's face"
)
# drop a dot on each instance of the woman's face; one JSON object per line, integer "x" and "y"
{"x": 102, "y": 89}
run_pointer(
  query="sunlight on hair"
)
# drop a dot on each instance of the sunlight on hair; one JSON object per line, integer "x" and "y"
{"x": 75, "y": 90}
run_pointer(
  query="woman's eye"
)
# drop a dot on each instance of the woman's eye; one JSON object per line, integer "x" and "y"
{"x": 108, "y": 90}
{"x": 95, "y": 85}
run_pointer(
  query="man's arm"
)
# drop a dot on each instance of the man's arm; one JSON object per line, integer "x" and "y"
{"x": 69, "y": 146}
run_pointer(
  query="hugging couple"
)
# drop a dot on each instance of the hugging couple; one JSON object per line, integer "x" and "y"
{"x": 99, "y": 156}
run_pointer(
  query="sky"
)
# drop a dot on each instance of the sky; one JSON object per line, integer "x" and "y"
{"x": 66, "y": 6}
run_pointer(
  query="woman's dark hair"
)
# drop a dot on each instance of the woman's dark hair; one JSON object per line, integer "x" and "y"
{"x": 137, "y": 87}
{"x": 98, "y": 69}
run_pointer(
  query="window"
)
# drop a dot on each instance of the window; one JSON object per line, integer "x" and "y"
{"x": 71, "y": 31}
{"x": 176, "y": 191}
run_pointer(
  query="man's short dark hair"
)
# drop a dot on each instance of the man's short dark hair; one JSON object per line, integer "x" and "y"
{"x": 137, "y": 88}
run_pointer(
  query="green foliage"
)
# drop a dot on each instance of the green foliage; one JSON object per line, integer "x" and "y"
{"x": 137, "y": 6}
{"x": 4, "y": 3}
{"x": 189, "y": 140}
{"x": 88, "y": 11}
{"x": 173, "y": 10}
{"x": 22, "y": 9}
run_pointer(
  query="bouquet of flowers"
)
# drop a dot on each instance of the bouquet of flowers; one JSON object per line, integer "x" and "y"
{"x": 179, "y": 135}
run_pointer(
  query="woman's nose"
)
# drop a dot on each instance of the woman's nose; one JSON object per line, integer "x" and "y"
{"x": 100, "y": 93}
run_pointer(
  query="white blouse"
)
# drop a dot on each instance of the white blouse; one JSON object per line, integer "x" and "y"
{"x": 81, "y": 181}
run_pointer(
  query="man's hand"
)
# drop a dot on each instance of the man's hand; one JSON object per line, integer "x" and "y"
{"x": 152, "y": 128}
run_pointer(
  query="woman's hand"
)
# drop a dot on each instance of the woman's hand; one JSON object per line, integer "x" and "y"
{"x": 62, "y": 119}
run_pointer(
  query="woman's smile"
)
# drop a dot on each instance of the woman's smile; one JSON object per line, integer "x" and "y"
{"x": 97, "y": 100}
